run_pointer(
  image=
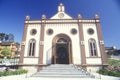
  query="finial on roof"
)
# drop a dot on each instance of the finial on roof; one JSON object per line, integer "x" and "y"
{"x": 61, "y": 4}
{"x": 61, "y": 8}
{"x": 97, "y": 16}
{"x": 27, "y": 17}
{"x": 79, "y": 16}
{"x": 43, "y": 16}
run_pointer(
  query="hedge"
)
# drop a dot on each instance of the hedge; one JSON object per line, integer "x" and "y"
{"x": 109, "y": 72}
{"x": 16, "y": 72}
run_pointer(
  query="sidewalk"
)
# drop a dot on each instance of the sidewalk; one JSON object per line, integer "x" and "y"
{"x": 27, "y": 77}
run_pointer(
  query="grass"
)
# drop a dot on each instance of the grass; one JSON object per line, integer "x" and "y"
{"x": 113, "y": 62}
{"x": 111, "y": 72}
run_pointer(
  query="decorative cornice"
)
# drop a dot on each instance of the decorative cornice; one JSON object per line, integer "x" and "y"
{"x": 56, "y": 21}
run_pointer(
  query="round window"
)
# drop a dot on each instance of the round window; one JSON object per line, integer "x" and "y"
{"x": 90, "y": 31}
{"x": 74, "y": 31}
{"x": 33, "y": 31}
{"x": 49, "y": 31}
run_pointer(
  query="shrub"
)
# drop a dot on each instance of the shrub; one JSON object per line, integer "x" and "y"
{"x": 20, "y": 71}
{"x": 1, "y": 74}
{"x": 109, "y": 72}
{"x": 16, "y": 72}
{"x": 8, "y": 73}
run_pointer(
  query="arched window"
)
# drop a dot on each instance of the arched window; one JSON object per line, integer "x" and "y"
{"x": 92, "y": 47}
{"x": 62, "y": 40}
{"x": 32, "y": 47}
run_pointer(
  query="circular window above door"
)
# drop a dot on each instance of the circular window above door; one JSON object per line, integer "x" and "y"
{"x": 90, "y": 31}
{"x": 49, "y": 31}
{"x": 73, "y": 31}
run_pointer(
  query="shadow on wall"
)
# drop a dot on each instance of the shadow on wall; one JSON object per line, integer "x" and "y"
{"x": 48, "y": 55}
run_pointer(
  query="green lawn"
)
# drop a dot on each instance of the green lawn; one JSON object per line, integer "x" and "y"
{"x": 113, "y": 62}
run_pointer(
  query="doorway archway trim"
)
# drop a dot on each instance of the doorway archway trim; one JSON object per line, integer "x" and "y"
{"x": 54, "y": 42}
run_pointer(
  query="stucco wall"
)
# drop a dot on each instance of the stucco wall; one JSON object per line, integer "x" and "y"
{"x": 31, "y": 60}
{"x": 87, "y": 37}
{"x": 36, "y": 37}
{"x": 64, "y": 29}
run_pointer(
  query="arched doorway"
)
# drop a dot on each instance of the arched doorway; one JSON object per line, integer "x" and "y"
{"x": 61, "y": 52}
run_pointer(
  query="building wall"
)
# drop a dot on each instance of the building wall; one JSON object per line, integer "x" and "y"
{"x": 62, "y": 23}
{"x": 89, "y": 59}
{"x": 93, "y": 68}
{"x": 32, "y": 60}
{"x": 64, "y": 29}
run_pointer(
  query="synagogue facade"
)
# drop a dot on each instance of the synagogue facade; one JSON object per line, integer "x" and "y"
{"x": 62, "y": 39}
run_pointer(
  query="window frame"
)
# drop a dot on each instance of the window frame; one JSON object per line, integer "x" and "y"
{"x": 92, "y": 48}
{"x": 31, "y": 48}
{"x": 31, "y": 32}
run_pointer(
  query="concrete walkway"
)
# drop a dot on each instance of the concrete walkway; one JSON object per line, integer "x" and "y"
{"x": 27, "y": 77}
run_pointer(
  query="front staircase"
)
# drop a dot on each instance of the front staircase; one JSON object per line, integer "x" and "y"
{"x": 63, "y": 71}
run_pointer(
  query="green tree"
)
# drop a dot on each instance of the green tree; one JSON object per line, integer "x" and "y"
{"x": 6, "y": 52}
{"x": 2, "y": 35}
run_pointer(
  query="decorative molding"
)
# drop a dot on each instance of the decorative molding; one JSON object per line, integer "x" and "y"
{"x": 31, "y": 57}
{"x": 88, "y": 20}
{"x": 94, "y": 57}
{"x": 82, "y": 43}
{"x": 33, "y": 21}
{"x": 101, "y": 42}
{"x": 41, "y": 42}
{"x": 88, "y": 65}
{"x": 47, "y": 21}
{"x": 97, "y": 20}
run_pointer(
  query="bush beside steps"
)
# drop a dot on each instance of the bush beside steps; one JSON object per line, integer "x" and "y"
{"x": 16, "y": 72}
{"x": 109, "y": 72}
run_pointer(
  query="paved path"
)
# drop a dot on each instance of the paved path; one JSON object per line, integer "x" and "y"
{"x": 27, "y": 77}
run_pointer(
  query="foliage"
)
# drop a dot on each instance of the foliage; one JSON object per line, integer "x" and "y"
{"x": 110, "y": 52}
{"x": 2, "y": 35}
{"x": 6, "y": 52}
{"x": 10, "y": 37}
{"x": 109, "y": 72}
{"x": 113, "y": 68}
{"x": 16, "y": 72}
{"x": 113, "y": 52}
{"x": 113, "y": 62}
{"x": 6, "y": 37}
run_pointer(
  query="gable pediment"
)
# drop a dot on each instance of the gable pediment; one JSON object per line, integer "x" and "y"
{"x": 61, "y": 15}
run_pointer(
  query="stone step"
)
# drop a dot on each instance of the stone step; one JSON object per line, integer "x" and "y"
{"x": 73, "y": 73}
{"x": 61, "y": 66}
{"x": 63, "y": 71}
{"x": 64, "y": 76}
{"x": 59, "y": 69}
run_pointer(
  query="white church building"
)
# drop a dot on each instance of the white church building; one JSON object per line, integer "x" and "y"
{"x": 62, "y": 39}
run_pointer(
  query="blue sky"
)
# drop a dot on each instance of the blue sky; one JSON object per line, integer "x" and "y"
{"x": 13, "y": 12}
